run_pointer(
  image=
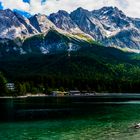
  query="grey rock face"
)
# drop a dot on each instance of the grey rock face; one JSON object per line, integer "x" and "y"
{"x": 63, "y": 21}
{"x": 112, "y": 17}
{"x": 108, "y": 25}
{"x": 88, "y": 23}
{"x": 26, "y": 23}
{"x": 125, "y": 39}
{"x": 12, "y": 25}
{"x": 41, "y": 23}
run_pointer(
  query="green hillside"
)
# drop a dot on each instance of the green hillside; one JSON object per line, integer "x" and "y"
{"x": 90, "y": 68}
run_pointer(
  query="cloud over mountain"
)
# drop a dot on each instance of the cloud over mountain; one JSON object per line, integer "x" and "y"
{"x": 130, "y": 7}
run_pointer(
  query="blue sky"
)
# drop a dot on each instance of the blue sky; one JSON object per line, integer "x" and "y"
{"x": 1, "y": 6}
{"x": 130, "y": 7}
{"x": 26, "y": 0}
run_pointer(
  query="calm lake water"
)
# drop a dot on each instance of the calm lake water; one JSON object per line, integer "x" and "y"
{"x": 106, "y": 122}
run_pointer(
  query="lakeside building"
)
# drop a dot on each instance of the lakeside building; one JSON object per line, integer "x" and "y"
{"x": 59, "y": 93}
{"x": 10, "y": 86}
{"x": 75, "y": 92}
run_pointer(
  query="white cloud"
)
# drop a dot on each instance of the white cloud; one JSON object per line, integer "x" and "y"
{"x": 130, "y": 7}
{"x": 15, "y": 4}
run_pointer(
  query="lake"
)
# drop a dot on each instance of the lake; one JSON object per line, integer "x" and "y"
{"x": 104, "y": 122}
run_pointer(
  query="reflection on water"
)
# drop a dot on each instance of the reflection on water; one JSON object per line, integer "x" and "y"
{"x": 106, "y": 122}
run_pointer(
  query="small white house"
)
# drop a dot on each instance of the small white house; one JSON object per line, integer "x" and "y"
{"x": 10, "y": 86}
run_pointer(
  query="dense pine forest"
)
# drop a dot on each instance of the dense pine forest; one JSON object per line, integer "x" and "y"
{"x": 95, "y": 68}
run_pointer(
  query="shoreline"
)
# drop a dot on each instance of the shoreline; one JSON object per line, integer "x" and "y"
{"x": 95, "y": 95}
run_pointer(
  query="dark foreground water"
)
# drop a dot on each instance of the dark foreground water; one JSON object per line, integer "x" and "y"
{"x": 106, "y": 122}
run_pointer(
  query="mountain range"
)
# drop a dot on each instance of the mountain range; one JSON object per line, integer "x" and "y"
{"x": 63, "y": 31}
{"x": 77, "y": 50}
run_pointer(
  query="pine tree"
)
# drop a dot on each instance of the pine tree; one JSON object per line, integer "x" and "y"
{"x": 3, "y": 87}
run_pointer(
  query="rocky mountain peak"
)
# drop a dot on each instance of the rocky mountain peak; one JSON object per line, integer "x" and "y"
{"x": 11, "y": 26}
{"x": 108, "y": 25}
{"x": 80, "y": 12}
{"x": 63, "y": 13}
{"x": 108, "y": 11}
{"x": 112, "y": 18}
{"x": 6, "y": 12}
{"x": 63, "y": 21}
{"x": 41, "y": 23}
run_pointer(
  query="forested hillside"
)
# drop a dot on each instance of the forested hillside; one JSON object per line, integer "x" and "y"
{"x": 95, "y": 68}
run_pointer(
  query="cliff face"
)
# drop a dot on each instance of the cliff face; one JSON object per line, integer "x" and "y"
{"x": 42, "y": 34}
